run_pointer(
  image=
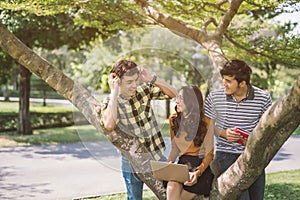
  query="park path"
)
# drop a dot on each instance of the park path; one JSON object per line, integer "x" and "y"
{"x": 68, "y": 171}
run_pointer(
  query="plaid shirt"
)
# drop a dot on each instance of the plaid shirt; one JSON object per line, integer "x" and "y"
{"x": 135, "y": 117}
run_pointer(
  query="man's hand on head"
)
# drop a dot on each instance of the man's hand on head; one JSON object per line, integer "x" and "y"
{"x": 145, "y": 75}
{"x": 113, "y": 80}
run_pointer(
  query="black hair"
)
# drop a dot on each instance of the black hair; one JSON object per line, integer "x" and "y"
{"x": 237, "y": 69}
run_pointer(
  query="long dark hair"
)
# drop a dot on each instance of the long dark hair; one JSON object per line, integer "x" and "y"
{"x": 193, "y": 122}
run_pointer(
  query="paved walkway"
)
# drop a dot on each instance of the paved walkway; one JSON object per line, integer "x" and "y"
{"x": 68, "y": 171}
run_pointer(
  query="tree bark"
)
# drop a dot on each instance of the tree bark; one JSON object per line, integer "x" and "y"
{"x": 24, "y": 125}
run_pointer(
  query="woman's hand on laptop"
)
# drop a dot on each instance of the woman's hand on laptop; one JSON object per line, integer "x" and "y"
{"x": 193, "y": 179}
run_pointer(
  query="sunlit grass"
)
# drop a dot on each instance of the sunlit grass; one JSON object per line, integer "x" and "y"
{"x": 13, "y": 107}
{"x": 279, "y": 185}
{"x": 72, "y": 134}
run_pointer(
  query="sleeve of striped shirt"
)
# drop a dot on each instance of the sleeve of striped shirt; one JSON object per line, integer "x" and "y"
{"x": 268, "y": 102}
{"x": 208, "y": 107}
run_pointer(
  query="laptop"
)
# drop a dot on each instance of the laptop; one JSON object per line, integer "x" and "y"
{"x": 169, "y": 171}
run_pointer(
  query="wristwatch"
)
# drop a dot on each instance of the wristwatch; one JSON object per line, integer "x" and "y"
{"x": 153, "y": 80}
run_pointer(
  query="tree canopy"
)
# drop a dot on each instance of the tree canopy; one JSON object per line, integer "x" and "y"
{"x": 252, "y": 30}
{"x": 252, "y": 34}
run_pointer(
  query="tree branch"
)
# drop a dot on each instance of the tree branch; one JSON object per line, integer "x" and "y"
{"x": 212, "y": 42}
{"x": 207, "y": 21}
{"x": 221, "y": 2}
{"x": 234, "y": 5}
{"x": 178, "y": 26}
{"x": 253, "y": 51}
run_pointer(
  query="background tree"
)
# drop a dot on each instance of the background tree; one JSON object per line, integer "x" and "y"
{"x": 6, "y": 73}
{"x": 37, "y": 31}
{"x": 215, "y": 34}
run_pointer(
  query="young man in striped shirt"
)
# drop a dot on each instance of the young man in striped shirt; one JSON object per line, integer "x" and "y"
{"x": 237, "y": 105}
{"x": 128, "y": 109}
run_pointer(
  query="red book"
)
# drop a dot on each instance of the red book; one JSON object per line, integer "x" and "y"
{"x": 243, "y": 133}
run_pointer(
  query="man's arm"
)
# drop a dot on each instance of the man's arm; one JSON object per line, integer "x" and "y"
{"x": 229, "y": 133}
{"x": 109, "y": 115}
{"x": 163, "y": 85}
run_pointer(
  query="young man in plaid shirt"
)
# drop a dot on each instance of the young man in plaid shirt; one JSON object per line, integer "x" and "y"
{"x": 128, "y": 109}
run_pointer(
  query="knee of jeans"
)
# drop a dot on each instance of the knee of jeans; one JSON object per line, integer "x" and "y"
{"x": 131, "y": 178}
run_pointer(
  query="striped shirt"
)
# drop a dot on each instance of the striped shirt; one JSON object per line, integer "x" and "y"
{"x": 136, "y": 118}
{"x": 229, "y": 113}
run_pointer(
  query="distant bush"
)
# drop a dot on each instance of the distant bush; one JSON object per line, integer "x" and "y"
{"x": 38, "y": 120}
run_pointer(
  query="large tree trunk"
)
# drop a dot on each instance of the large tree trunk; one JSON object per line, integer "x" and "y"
{"x": 279, "y": 121}
{"x": 24, "y": 125}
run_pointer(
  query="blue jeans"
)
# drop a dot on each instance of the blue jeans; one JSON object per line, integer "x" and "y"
{"x": 256, "y": 190}
{"x": 134, "y": 185}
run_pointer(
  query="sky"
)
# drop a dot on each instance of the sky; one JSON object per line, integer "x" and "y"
{"x": 293, "y": 17}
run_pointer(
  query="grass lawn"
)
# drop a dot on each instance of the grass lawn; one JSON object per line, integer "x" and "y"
{"x": 283, "y": 185}
{"x": 279, "y": 186}
{"x": 71, "y": 134}
{"x": 13, "y": 107}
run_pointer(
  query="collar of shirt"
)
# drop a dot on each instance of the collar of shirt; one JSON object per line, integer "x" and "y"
{"x": 250, "y": 95}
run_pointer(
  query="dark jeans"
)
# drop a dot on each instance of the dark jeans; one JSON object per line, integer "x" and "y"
{"x": 256, "y": 190}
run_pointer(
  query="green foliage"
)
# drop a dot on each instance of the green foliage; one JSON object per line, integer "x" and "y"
{"x": 41, "y": 116}
{"x": 253, "y": 35}
{"x": 49, "y": 32}
{"x": 42, "y": 120}
{"x": 103, "y": 81}
{"x": 106, "y": 16}
{"x": 6, "y": 69}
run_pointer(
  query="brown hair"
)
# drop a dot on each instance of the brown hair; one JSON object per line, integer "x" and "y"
{"x": 124, "y": 67}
